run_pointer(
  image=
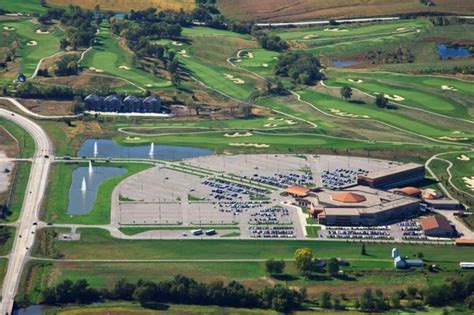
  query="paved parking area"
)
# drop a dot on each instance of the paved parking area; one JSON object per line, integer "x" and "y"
{"x": 224, "y": 190}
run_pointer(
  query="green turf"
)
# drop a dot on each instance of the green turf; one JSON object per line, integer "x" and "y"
{"x": 461, "y": 169}
{"x": 107, "y": 55}
{"x": 56, "y": 200}
{"x": 23, "y": 6}
{"x": 6, "y": 247}
{"x": 207, "y": 31}
{"x": 263, "y": 61}
{"x": 18, "y": 191}
{"x": 48, "y": 44}
{"x": 98, "y": 244}
{"x": 313, "y": 231}
{"x": 26, "y": 143}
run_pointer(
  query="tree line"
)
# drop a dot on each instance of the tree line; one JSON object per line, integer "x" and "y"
{"x": 180, "y": 290}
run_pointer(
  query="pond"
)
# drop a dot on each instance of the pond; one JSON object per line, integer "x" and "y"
{"x": 30, "y": 310}
{"x": 447, "y": 52}
{"x": 344, "y": 63}
{"x": 105, "y": 148}
{"x": 83, "y": 190}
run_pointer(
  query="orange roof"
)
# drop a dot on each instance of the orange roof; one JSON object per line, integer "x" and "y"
{"x": 435, "y": 222}
{"x": 297, "y": 190}
{"x": 464, "y": 241}
{"x": 348, "y": 197}
{"x": 408, "y": 191}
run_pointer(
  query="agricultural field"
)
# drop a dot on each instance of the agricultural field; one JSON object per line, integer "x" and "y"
{"x": 33, "y": 45}
{"x": 289, "y": 11}
{"x": 110, "y": 58}
{"x": 127, "y": 5}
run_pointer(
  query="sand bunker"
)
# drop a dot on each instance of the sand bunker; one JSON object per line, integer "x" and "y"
{"x": 344, "y": 114}
{"x": 8, "y": 28}
{"x": 448, "y": 88}
{"x": 95, "y": 69}
{"x": 124, "y": 67}
{"x": 358, "y": 81}
{"x": 133, "y": 138}
{"x": 463, "y": 158}
{"x": 233, "y": 79}
{"x": 183, "y": 53}
{"x": 311, "y": 36}
{"x": 248, "y": 55}
{"x": 255, "y": 145}
{"x": 290, "y": 122}
{"x": 32, "y": 43}
{"x": 271, "y": 118}
{"x": 453, "y": 139}
{"x": 238, "y": 60}
{"x": 148, "y": 85}
{"x": 270, "y": 125}
{"x": 394, "y": 97}
{"x": 336, "y": 30}
{"x": 176, "y": 43}
{"x": 265, "y": 65}
{"x": 469, "y": 182}
{"x": 238, "y": 134}
{"x": 39, "y": 31}
{"x": 400, "y": 29}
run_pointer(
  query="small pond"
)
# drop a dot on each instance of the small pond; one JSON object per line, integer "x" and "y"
{"x": 83, "y": 190}
{"x": 447, "y": 52}
{"x": 30, "y": 310}
{"x": 107, "y": 148}
{"x": 344, "y": 63}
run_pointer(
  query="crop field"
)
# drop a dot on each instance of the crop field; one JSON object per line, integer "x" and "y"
{"x": 127, "y": 5}
{"x": 288, "y": 11}
{"x": 56, "y": 199}
{"x": 33, "y": 46}
{"x": 98, "y": 244}
{"x": 23, "y": 6}
{"x": 109, "y": 57}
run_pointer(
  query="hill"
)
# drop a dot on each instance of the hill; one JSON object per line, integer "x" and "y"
{"x": 127, "y": 5}
{"x": 289, "y": 10}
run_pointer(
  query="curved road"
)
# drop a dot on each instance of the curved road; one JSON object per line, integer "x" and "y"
{"x": 35, "y": 115}
{"x": 25, "y": 230}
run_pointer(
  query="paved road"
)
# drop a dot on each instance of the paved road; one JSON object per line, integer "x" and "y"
{"x": 37, "y": 182}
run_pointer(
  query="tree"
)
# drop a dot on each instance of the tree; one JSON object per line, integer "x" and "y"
{"x": 420, "y": 255}
{"x": 363, "y": 252}
{"x": 395, "y": 300}
{"x": 326, "y": 300}
{"x": 333, "y": 266}
{"x": 346, "y": 92}
{"x": 367, "y": 301}
{"x": 274, "y": 267}
{"x": 381, "y": 101}
{"x": 411, "y": 292}
{"x": 304, "y": 261}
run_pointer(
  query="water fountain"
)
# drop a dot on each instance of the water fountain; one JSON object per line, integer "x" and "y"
{"x": 96, "y": 150}
{"x": 83, "y": 186}
{"x": 152, "y": 149}
{"x": 91, "y": 170}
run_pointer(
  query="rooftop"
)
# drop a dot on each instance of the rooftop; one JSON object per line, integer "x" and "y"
{"x": 435, "y": 222}
{"x": 394, "y": 170}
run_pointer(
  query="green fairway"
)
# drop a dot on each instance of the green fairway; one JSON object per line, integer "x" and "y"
{"x": 410, "y": 96}
{"x": 23, "y": 6}
{"x": 350, "y": 31}
{"x": 108, "y": 56}
{"x": 207, "y": 31}
{"x": 56, "y": 200}
{"x": 98, "y": 244}
{"x": 392, "y": 117}
{"x": 262, "y": 61}
{"x": 45, "y": 44}
{"x": 462, "y": 170}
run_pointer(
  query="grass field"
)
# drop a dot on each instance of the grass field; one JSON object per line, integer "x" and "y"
{"x": 47, "y": 44}
{"x": 18, "y": 190}
{"x": 207, "y": 31}
{"x": 6, "y": 247}
{"x": 127, "y": 5}
{"x": 108, "y": 56}
{"x": 26, "y": 143}
{"x": 98, "y": 244}
{"x": 56, "y": 200}
{"x": 288, "y": 11}
{"x": 23, "y": 6}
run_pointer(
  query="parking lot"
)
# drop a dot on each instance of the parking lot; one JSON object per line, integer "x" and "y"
{"x": 243, "y": 189}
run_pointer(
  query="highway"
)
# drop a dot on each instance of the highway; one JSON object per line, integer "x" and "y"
{"x": 25, "y": 230}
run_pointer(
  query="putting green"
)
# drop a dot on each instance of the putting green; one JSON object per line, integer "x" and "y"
{"x": 109, "y": 57}
{"x": 262, "y": 61}
{"x": 46, "y": 44}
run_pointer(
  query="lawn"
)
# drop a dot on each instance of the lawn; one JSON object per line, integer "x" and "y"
{"x": 6, "y": 247}
{"x": 47, "y": 44}
{"x": 56, "y": 200}
{"x": 392, "y": 117}
{"x": 18, "y": 191}
{"x": 98, "y": 244}
{"x": 23, "y": 6}
{"x": 26, "y": 143}
{"x": 108, "y": 56}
